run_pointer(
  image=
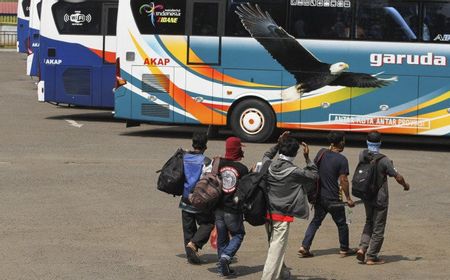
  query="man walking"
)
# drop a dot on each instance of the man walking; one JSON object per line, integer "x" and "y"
{"x": 376, "y": 209}
{"x": 333, "y": 174}
{"x": 287, "y": 199}
{"x": 229, "y": 220}
{"x": 195, "y": 164}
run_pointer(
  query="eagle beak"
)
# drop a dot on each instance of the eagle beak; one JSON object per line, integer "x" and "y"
{"x": 346, "y": 66}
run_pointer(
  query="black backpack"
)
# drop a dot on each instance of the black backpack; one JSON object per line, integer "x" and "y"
{"x": 171, "y": 179}
{"x": 251, "y": 196}
{"x": 364, "y": 183}
{"x": 313, "y": 188}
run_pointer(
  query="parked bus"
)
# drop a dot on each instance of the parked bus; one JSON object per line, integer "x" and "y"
{"x": 34, "y": 26}
{"x": 349, "y": 65}
{"x": 77, "y": 52}
{"x": 23, "y": 17}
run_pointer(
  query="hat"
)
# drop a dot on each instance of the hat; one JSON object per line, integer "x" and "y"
{"x": 233, "y": 150}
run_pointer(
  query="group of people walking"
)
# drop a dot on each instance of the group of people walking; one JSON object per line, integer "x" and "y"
{"x": 287, "y": 193}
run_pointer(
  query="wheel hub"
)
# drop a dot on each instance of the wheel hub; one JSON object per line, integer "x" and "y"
{"x": 252, "y": 121}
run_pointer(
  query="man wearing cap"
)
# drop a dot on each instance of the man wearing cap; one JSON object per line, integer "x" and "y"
{"x": 229, "y": 220}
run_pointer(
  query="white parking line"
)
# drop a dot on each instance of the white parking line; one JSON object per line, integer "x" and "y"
{"x": 74, "y": 123}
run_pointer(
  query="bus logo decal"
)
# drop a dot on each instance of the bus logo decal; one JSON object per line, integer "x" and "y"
{"x": 52, "y": 61}
{"x": 442, "y": 37}
{"x": 380, "y": 59}
{"x": 156, "y": 61}
{"x": 151, "y": 10}
{"x": 379, "y": 121}
{"x": 78, "y": 18}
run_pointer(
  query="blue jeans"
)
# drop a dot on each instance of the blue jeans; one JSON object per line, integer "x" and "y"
{"x": 229, "y": 224}
{"x": 320, "y": 212}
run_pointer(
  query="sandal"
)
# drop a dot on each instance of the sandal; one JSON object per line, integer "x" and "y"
{"x": 305, "y": 253}
{"x": 349, "y": 252}
{"x": 375, "y": 261}
{"x": 361, "y": 255}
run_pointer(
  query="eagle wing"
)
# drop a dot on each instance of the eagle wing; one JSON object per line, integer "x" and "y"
{"x": 280, "y": 44}
{"x": 362, "y": 80}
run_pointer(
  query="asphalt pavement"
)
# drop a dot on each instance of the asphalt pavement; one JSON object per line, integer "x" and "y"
{"x": 78, "y": 200}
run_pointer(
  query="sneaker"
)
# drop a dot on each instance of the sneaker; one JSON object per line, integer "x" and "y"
{"x": 305, "y": 253}
{"x": 349, "y": 252}
{"x": 375, "y": 261}
{"x": 192, "y": 254}
{"x": 361, "y": 255}
{"x": 224, "y": 267}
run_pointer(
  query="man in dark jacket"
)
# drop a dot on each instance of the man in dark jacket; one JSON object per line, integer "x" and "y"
{"x": 333, "y": 173}
{"x": 195, "y": 164}
{"x": 376, "y": 210}
{"x": 229, "y": 220}
{"x": 287, "y": 199}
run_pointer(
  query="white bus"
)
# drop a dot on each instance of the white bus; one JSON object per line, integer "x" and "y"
{"x": 78, "y": 52}
{"x": 350, "y": 65}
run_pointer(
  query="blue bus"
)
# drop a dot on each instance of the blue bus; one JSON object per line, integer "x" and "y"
{"x": 350, "y": 65}
{"x": 34, "y": 26}
{"x": 78, "y": 52}
{"x": 23, "y": 17}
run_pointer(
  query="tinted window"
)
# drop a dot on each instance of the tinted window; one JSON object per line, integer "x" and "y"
{"x": 436, "y": 23}
{"x": 387, "y": 21}
{"x": 159, "y": 17}
{"x": 205, "y": 19}
{"x": 323, "y": 21}
{"x": 111, "y": 21}
{"x": 78, "y": 18}
{"x": 26, "y": 7}
{"x": 276, "y": 9}
{"x": 39, "y": 7}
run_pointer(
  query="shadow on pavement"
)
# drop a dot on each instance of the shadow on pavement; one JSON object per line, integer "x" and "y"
{"x": 323, "y": 252}
{"x": 105, "y": 116}
{"x": 355, "y": 140}
{"x": 397, "y": 258}
{"x": 241, "y": 270}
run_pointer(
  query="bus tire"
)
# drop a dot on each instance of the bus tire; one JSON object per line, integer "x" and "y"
{"x": 253, "y": 120}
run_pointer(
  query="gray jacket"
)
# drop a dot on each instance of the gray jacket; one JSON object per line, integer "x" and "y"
{"x": 286, "y": 185}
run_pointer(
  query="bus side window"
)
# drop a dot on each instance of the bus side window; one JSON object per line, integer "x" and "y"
{"x": 385, "y": 21}
{"x": 77, "y": 18}
{"x": 276, "y": 9}
{"x": 436, "y": 22}
{"x": 320, "y": 22}
{"x": 26, "y": 7}
{"x": 205, "y": 19}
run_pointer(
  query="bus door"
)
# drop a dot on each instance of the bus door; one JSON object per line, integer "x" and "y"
{"x": 109, "y": 53}
{"x": 153, "y": 91}
{"x": 205, "y": 27}
{"x": 205, "y": 20}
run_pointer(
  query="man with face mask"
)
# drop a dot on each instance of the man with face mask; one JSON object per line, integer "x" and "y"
{"x": 333, "y": 174}
{"x": 229, "y": 219}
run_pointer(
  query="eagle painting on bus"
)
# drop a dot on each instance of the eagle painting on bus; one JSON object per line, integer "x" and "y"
{"x": 309, "y": 72}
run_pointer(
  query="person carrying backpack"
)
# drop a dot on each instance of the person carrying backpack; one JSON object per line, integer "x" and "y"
{"x": 229, "y": 219}
{"x": 195, "y": 164}
{"x": 333, "y": 172}
{"x": 287, "y": 199}
{"x": 377, "y": 208}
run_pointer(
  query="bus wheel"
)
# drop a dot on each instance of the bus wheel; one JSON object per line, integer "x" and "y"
{"x": 253, "y": 120}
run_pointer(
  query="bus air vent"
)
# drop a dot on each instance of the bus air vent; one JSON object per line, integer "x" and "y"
{"x": 155, "y": 110}
{"x": 77, "y": 81}
{"x": 158, "y": 83}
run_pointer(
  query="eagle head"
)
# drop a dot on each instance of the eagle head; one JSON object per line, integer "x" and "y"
{"x": 338, "y": 68}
